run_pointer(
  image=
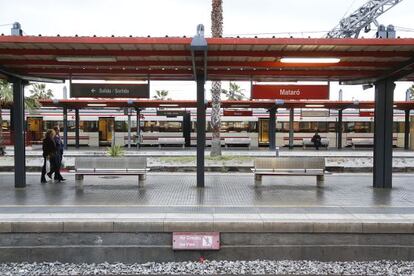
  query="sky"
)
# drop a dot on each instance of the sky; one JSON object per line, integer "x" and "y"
{"x": 264, "y": 18}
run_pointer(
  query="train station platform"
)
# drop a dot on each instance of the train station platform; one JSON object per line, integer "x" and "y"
{"x": 239, "y": 160}
{"x": 112, "y": 219}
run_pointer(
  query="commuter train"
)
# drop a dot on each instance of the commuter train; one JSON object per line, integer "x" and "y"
{"x": 101, "y": 127}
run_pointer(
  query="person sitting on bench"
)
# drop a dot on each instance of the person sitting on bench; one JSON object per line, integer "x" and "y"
{"x": 316, "y": 140}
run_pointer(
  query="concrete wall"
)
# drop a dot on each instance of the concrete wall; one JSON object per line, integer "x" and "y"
{"x": 144, "y": 247}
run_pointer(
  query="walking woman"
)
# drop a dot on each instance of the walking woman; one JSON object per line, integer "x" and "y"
{"x": 58, "y": 156}
{"x": 49, "y": 152}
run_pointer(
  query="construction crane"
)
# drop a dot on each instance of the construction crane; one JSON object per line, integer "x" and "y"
{"x": 351, "y": 26}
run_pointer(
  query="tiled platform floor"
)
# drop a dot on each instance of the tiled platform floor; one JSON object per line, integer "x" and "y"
{"x": 345, "y": 196}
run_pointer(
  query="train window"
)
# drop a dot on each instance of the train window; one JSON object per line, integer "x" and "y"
{"x": 156, "y": 126}
{"x": 51, "y": 124}
{"x": 331, "y": 127}
{"x": 237, "y": 126}
{"x": 359, "y": 127}
{"x": 89, "y": 126}
{"x": 349, "y": 127}
{"x": 121, "y": 126}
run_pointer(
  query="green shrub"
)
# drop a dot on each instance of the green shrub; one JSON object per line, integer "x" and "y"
{"x": 115, "y": 151}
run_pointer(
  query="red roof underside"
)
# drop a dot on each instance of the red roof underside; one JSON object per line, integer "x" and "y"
{"x": 170, "y": 58}
{"x": 267, "y": 104}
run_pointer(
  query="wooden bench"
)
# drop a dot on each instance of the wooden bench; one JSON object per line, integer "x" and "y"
{"x": 171, "y": 141}
{"x": 242, "y": 141}
{"x": 111, "y": 166}
{"x": 295, "y": 166}
{"x": 308, "y": 142}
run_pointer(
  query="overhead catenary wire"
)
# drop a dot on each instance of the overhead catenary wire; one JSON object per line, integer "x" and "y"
{"x": 277, "y": 33}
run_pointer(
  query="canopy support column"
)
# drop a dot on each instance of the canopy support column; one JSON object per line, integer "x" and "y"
{"x": 129, "y": 128}
{"x": 407, "y": 130}
{"x": 65, "y": 127}
{"x": 19, "y": 137}
{"x": 187, "y": 128}
{"x": 384, "y": 92}
{"x": 201, "y": 130}
{"x": 291, "y": 118}
{"x": 77, "y": 128}
{"x": 272, "y": 128}
{"x": 138, "y": 127}
{"x": 339, "y": 130}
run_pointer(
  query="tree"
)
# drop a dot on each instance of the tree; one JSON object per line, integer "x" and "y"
{"x": 161, "y": 95}
{"x": 6, "y": 96}
{"x": 216, "y": 31}
{"x": 235, "y": 93}
{"x": 411, "y": 93}
{"x": 31, "y": 103}
{"x": 39, "y": 92}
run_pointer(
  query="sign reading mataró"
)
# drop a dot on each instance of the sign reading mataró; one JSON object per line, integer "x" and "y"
{"x": 290, "y": 92}
{"x": 105, "y": 90}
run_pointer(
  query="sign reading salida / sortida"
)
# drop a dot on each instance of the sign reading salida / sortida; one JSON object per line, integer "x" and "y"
{"x": 290, "y": 92}
{"x": 196, "y": 240}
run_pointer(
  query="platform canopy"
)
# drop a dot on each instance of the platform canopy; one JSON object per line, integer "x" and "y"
{"x": 174, "y": 104}
{"x": 170, "y": 58}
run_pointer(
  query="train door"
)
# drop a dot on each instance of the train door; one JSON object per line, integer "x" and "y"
{"x": 35, "y": 129}
{"x": 263, "y": 131}
{"x": 106, "y": 127}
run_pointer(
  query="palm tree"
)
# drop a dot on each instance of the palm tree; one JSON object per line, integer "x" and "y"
{"x": 6, "y": 96}
{"x": 39, "y": 92}
{"x": 161, "y": 95}
{"x": 235, "y": 93}
{"x": 216, "y": 31}
{"x": 31, "y": 103}
{"x": 411, "y": 93}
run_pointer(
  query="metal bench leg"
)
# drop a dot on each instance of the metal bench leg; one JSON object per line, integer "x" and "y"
{"x": 141, "y": 178}
{"x": 258, "y": 180}
{"x": 320, "y": 180}
{"x": 79, "y": 176}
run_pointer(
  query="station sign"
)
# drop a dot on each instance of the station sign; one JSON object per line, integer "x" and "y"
{"x": 106, "y": 90}
{"x": 237, "y": 113}
{"x": 290, "y": 92}
{"x": 196, "y": 241}
{"x": 366, "y": 113}
{"x": 171, "y": 113}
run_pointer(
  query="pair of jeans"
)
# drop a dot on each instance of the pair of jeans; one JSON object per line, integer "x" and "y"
{"x": 54, "y": 167}
{"x": 43, "y": 176}
{"x": 57, "y": 162}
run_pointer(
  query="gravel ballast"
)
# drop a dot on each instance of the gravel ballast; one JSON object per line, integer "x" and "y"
{"x": 214, "y": 267}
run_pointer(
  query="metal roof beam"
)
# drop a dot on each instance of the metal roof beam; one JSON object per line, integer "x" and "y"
{"x": 212, "y": 53}
{"x": 403, "y": 70}
{"x": 11, "y": 75}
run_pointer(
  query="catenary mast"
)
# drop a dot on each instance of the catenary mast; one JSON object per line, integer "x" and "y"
{"x": 351, "y": 26}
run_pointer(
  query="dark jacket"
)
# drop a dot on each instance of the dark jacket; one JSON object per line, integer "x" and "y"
{"x": 316, "y": 139}
{"x": 49, "y": 147}
{"x": 59, "y": 145}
